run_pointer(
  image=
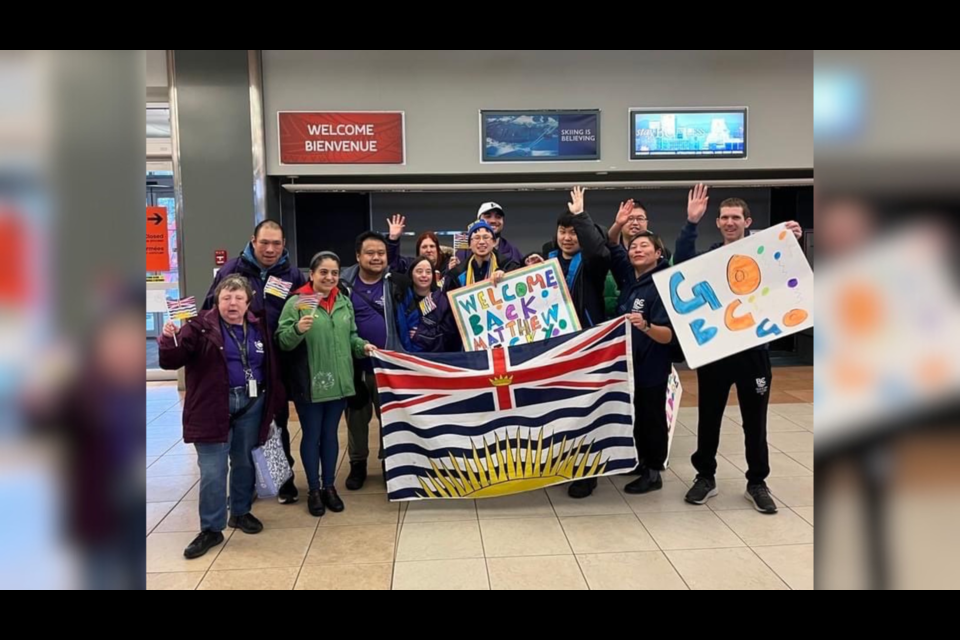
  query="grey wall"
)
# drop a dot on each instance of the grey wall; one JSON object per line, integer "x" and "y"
{"x": 443, "y": 91}
{"x": 216, "y": 163}
{"x": 156, "y": 75}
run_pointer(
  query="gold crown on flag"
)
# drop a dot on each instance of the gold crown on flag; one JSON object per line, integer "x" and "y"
{"x": 502, "y": 381}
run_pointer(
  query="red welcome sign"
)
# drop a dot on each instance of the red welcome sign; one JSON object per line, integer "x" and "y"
{"x": 341, "y": 137}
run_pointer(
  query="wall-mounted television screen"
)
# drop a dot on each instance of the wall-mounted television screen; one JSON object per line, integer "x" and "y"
{"x": 688, "y": 133}
{"x": 526, "y": 136}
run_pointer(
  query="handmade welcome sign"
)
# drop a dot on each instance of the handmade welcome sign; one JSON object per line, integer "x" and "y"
{"x": 734, "y": 298}
{"x": 528, "y": 305}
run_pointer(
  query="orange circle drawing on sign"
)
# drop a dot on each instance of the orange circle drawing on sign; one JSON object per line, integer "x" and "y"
{"x": 794, "y": 317}
{"x": 743, "y": 275}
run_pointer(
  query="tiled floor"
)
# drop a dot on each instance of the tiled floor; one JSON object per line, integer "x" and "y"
{"x": 540, "y": 540}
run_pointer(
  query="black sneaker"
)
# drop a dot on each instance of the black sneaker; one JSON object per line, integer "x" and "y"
{"x": 315, "y": 504}
{"x": 358, "y": 475}
{"x": 288, "y": 493}
{"x": 247, "y": 523}
{"x": 702, "y": 490}
{"x": 648, "y": 481}
{"x": 759, "y": 495}
{"x": 582, "y": 488}
{"x": 202, "y": 543}
{"x": 331, "y": 499}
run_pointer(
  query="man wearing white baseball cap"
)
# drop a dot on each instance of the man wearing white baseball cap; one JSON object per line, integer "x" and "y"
{"x": 492, "y": 214}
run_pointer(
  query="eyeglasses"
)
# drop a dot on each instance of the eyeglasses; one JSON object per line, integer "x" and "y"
{"x": 637, "y": 219}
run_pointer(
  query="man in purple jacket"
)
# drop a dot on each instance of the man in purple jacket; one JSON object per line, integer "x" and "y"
{"x": 265, "y": 260}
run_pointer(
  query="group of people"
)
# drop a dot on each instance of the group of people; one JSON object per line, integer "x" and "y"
{"x": 270, "y": 334}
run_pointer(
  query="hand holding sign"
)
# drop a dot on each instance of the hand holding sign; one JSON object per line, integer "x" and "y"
{"x": 795, "y": 228}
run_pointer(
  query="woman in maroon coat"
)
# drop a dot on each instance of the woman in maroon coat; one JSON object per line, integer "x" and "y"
{"x": 232, "y": 395}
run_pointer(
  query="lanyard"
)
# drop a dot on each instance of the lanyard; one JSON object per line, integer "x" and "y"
{"x": 242, "y": 346}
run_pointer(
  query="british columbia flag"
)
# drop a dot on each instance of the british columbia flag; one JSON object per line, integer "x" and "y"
{"x": 492, "y": 423}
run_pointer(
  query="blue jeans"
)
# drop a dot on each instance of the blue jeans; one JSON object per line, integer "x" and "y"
{"x": 318, "y": 442}
{"x": 212, "y": 458}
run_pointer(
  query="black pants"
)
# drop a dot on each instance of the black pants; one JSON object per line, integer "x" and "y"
{"x": 751, "y": 372}
{"x": 650, "y": 426}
